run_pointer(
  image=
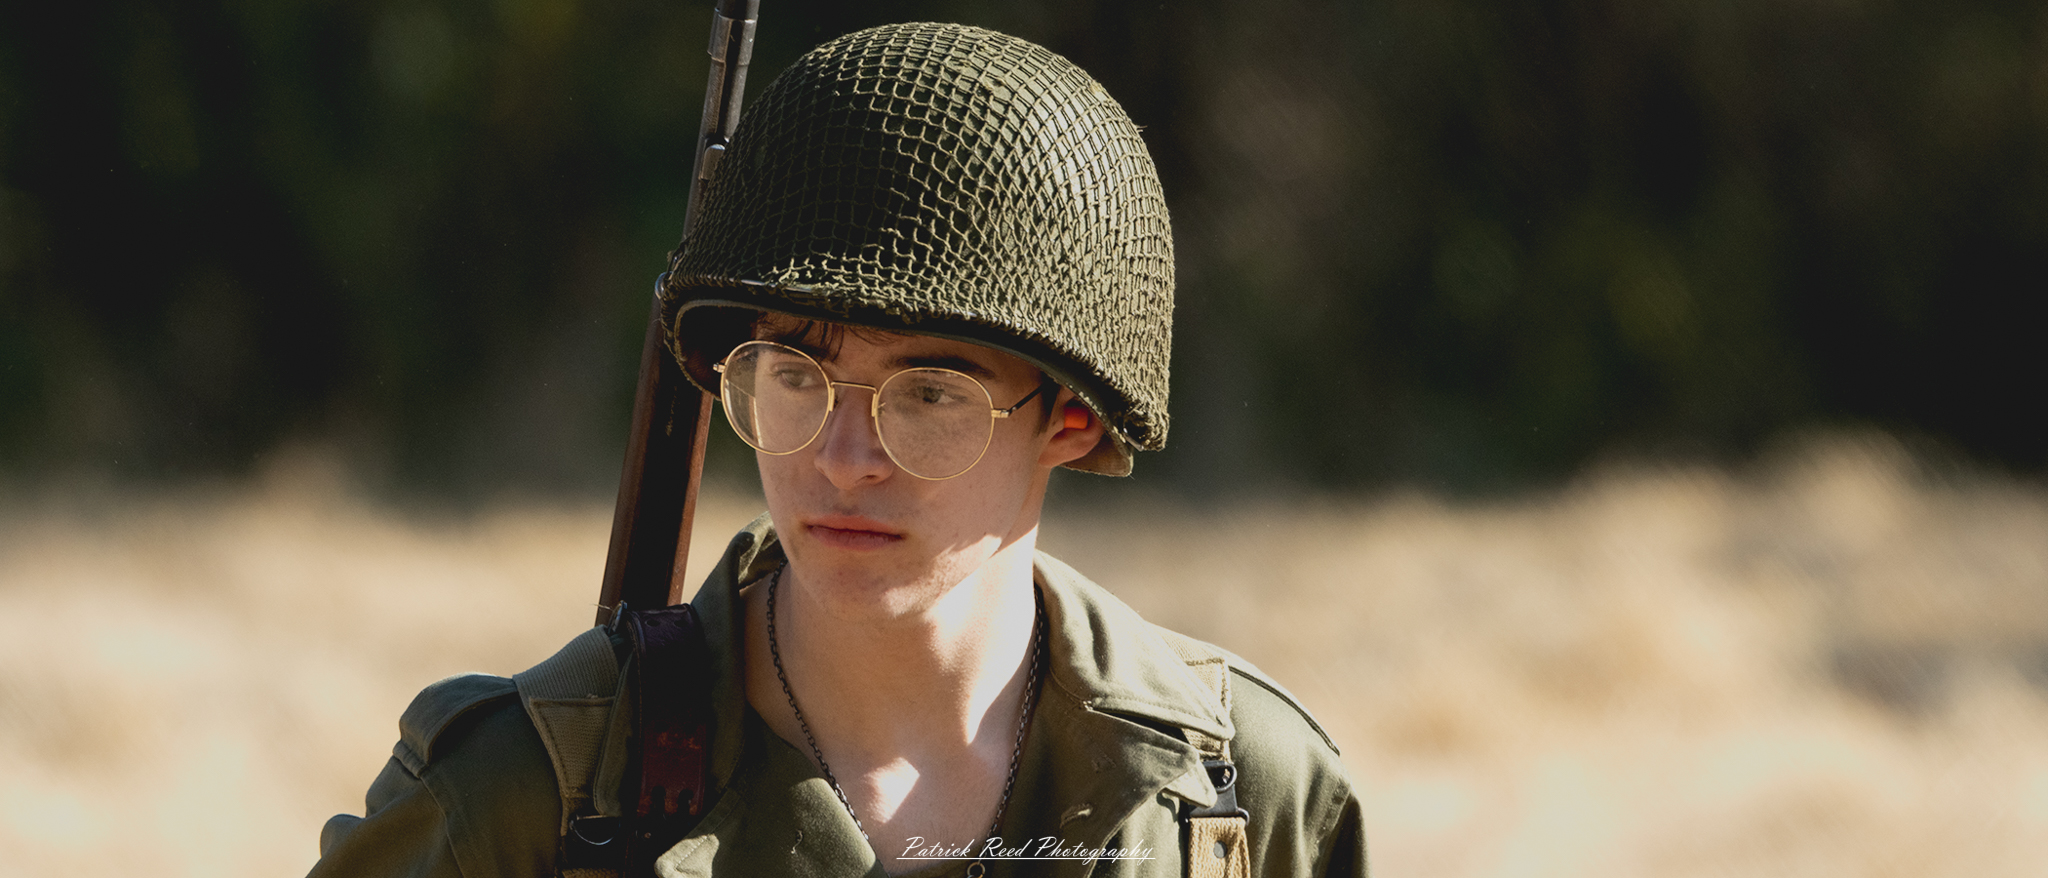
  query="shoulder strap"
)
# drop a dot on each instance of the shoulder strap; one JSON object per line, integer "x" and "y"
{"x": 631, "y": 771}
{"x": 438, "y": 708}
{"x": 1212, "y": 667}
{"x": 569, "y": 698}
{"x": 673, "y": 729}
{"x": 1216, "y": 844}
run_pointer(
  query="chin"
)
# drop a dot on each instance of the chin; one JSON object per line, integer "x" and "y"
{"x": 856, "y": 587}
{"x": 853, "y": 587}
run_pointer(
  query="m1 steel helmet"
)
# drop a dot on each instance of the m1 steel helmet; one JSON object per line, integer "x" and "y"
{"x": 949, "y": 181}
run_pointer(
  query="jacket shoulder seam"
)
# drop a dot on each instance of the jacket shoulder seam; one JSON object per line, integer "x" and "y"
{"x": 1194, "y": 650}
{"x": 1287, "y": 699}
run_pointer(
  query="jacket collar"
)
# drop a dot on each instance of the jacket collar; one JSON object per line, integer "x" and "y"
{"x": 1111, "y": 660}
{"x": 753, "y": 553}
{"x": 1109, "y": 719}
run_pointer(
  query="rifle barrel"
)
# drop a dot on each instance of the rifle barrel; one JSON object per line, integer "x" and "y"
{"x": 650, "y": 546}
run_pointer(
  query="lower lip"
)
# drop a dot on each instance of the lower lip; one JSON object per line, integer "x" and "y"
{"x": 858, "y": 540}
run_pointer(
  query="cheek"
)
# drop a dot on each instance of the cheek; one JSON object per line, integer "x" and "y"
{"x": 999, "y": 486}
{"x": 776, "y": 476}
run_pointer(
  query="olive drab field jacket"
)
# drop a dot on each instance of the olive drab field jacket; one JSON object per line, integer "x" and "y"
{"x": 487, "y": 769}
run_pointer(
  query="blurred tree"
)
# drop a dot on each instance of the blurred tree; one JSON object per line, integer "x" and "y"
{"x": 1445, "y": 242}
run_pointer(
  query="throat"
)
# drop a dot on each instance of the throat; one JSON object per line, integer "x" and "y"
{"x": 908, "y": 788}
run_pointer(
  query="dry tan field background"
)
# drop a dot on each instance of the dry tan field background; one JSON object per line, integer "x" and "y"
{"x": 1835, "y": 665}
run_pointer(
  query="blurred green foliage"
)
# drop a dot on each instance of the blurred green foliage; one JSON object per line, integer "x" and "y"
{"x": 1443, "y": 242}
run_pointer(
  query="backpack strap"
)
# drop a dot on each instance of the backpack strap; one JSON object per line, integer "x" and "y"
{"x": 1216, "y": 844}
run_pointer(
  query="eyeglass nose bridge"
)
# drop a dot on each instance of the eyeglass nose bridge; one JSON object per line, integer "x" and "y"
{"x": 874, "y": 395}
{"x": 875, "y": 411}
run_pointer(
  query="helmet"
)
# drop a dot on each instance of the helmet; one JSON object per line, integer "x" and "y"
{"x": 948, "y": 181}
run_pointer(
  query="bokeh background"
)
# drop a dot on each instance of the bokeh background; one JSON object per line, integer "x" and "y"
{"x": 1449, "y": 244}
{"x": 1621, "y": 422}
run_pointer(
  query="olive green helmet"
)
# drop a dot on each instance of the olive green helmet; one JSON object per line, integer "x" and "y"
{"x": 948, "y": 181}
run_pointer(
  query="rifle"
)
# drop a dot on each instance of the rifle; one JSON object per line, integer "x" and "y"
{"x": 671, "y": 417}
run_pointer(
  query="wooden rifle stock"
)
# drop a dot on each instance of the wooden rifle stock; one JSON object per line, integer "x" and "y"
{"x": 671, "y": 417}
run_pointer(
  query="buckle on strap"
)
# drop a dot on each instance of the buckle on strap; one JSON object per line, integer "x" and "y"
{"x": 1222, "y": 777}
{"x": 1214, "y": 843}
{"x": 595, "y": 830}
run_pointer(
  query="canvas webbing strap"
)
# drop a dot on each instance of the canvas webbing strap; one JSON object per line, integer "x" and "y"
{"x": 1217, "y": 846}
{"x": 569, "y": 698}
{"x": 625, "y": 799}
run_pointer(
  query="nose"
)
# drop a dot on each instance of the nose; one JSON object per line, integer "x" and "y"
{"x": 850, "y": 452}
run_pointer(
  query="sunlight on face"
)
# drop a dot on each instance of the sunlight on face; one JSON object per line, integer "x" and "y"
{"x": 870, "y": 538}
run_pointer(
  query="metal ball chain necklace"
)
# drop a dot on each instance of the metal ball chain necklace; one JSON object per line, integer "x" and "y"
{"x": 975, "y": 869}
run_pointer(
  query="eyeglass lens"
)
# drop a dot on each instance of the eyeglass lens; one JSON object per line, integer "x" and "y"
{"x": 934, "y": 423}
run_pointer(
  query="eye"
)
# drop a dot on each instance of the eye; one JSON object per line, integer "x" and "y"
{"x": 933, "y": 391}
{"x": 794, "y": 376}
{"x": 933, "y": 394}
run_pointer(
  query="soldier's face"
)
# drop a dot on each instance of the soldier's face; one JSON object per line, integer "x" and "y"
{"x": 872, "y": 540}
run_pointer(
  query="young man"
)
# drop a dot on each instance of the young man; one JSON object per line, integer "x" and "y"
{"x": 934, "y": 266}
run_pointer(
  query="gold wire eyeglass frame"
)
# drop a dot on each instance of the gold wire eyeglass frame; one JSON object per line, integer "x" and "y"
{"x": 725, "y": 393}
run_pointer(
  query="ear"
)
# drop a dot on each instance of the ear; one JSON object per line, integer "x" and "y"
{"x": 1080, "y": 431}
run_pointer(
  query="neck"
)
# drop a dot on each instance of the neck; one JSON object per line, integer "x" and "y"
{"x": 938, "y": 678}
{"x": 913, "y": 690}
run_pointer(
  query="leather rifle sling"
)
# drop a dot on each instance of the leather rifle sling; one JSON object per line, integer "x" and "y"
{"x": 672, "y": 749}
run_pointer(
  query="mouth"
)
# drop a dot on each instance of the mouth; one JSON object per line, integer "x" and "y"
{"x": 851, "y": 532}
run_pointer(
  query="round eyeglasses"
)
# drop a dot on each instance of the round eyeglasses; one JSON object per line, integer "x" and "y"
{"x": 934, "y": 423}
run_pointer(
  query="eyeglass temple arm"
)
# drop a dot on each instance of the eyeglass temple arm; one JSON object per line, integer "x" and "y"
{"x": 1004, "y": 413}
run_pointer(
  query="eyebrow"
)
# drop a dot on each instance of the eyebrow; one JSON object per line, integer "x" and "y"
{"x": 957, "y": 364}
{"x": 817, "y": 352}
{"x": 799, "y": 340}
